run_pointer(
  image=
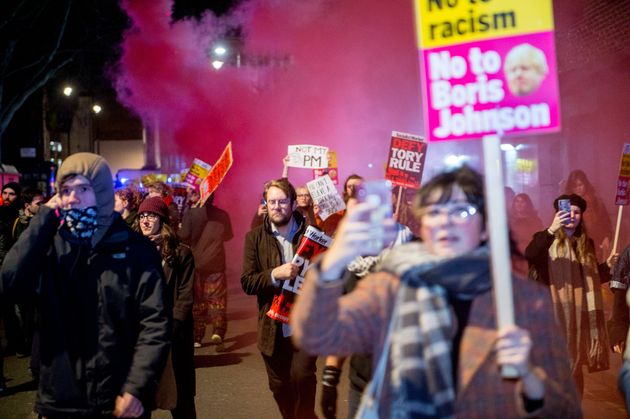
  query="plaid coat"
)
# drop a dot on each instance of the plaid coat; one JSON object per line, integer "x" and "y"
{"x": 327, "y": 323}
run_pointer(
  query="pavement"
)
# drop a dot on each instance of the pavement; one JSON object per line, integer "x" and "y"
{"x": 233, "y": 383}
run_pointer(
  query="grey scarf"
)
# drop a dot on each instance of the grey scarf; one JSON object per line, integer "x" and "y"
{"x": 420, "y": 361}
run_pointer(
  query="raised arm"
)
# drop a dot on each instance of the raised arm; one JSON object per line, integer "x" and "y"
{"x": 285, "y": 167}
{"x": 326, "y": 323}
{"x": 541, "y": 242}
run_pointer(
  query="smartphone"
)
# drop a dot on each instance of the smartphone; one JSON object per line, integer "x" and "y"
{"x": 565, "y": 205}
{"x": 379, "y": 193}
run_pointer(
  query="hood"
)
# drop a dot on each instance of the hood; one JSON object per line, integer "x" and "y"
{"x": 96, "y": 169}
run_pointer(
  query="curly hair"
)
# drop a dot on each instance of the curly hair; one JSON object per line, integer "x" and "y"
{"x": 132, "y": 196}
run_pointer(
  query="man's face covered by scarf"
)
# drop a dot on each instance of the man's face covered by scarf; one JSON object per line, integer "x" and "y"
{"x": 78, "y": 207}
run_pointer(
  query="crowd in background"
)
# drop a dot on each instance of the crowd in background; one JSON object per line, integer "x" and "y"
{"x": 416, "y": 320}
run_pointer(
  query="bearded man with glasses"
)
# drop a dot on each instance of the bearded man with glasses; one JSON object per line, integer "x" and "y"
{"x": 269, "y": 249}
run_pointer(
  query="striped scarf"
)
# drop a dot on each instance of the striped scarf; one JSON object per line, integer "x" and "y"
{"x": 577, "y": 303}
{"x": 420, "y": 361}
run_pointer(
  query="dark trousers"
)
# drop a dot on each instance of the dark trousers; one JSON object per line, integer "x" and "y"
{"x": 35, "y": 362}
{"x": 12, "y": 329}
{"x": 292, "y": 379}
{"x": 183, "y": 355}
{"x": 354, "y": 400}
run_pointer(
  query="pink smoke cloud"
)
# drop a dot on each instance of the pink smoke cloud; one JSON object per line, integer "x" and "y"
{"x": 352, "y": 78}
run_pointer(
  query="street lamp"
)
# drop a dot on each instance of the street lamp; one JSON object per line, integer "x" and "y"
{"x": 97, "y": 108}
{"x": 67, "y": 91}
{"x": 219, "y": 53}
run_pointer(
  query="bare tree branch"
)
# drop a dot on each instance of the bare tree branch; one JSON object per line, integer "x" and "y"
{"x": 5, "y": 63}
{"x": 6, "y": 59}
{"x": 53, "y": 52}
{"x": 13, "y": 15}
{"x": 9, "y": 111}
{"x": 38, "y": 62}
{"x": 45, "y": 67}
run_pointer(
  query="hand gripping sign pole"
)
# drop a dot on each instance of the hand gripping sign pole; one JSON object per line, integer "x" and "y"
{"x": 499, "y": 243}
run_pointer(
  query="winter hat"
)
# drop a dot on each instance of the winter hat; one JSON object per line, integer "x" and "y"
{"x": 155, "y": 205}
{"x": 576, "y": 200}
{"x": 15, "y": 186}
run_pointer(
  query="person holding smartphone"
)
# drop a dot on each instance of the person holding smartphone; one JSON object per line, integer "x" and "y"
{"x": 427, "y": 314}
{"x": 563, "y": 258}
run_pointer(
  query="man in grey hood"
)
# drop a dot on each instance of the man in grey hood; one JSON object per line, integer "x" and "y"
{"x": 99, "y": 286}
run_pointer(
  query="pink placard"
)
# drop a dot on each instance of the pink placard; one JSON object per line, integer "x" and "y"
{"x": 468, "y": 95}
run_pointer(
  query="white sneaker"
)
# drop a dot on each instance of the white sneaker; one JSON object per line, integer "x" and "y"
{"x": 197, "y": 345}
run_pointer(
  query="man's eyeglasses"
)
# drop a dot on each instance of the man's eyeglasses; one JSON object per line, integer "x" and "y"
{"x": 459, "y": 213}
{"x": 282, "y": 202}
{"x": 149, "y": 216}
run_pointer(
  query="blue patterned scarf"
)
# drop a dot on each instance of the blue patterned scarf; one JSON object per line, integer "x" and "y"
{"x": 81, "y": 222}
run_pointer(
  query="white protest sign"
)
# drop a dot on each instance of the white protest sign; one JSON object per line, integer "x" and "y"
{"x": 308, "y": 156}
{"x": 325, "y": 196}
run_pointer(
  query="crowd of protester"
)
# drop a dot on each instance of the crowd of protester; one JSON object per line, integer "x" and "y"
{"x": 138, "y": 250}
{"x": 415, "y": 318}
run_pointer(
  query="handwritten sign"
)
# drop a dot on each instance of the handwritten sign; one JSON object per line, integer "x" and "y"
{"x": 210, "y": 183}
{"x": 325, "y": 196}
{"x": 406, "y": 160}
{"x": 308, "y": 156}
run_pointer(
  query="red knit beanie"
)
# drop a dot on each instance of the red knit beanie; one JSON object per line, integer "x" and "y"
{"x": 155, "y": 205}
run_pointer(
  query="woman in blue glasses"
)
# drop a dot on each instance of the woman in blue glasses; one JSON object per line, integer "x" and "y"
{"x": 428, "y": 317}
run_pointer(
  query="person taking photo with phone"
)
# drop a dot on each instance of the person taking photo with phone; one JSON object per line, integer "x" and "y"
{"x": 428, "y": 317}
{"x": 563, "y": 258}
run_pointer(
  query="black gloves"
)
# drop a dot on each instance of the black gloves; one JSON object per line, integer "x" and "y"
{"x": 330, "y": 379}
